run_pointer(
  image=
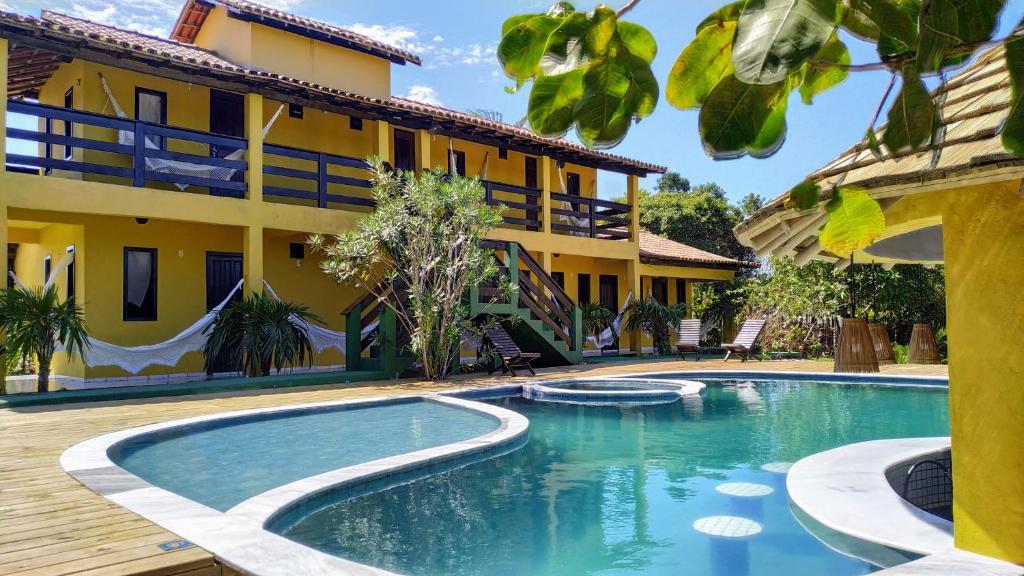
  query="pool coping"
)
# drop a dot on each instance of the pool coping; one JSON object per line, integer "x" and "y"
{"x": 234, "y": 539}
{"x": 875, "y": 378}
{"x": 846, "y": 490}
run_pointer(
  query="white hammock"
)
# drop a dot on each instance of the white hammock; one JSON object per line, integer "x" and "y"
{"x": 321, "y": 338}
{"x": 607, "y": 337}
{"x": 127, "y": 138}
{"x": 574, "y": 221}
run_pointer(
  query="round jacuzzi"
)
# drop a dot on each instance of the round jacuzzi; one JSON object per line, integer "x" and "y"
{"x": 612, "y": 391}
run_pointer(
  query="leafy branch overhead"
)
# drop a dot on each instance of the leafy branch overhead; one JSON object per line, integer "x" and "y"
{"x": 592, "y": 71}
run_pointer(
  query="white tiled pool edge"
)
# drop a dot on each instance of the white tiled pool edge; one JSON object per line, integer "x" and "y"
{"x": 238, "y": 539}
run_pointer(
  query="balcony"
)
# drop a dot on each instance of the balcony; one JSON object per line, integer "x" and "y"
{"x": 84, "y": 145}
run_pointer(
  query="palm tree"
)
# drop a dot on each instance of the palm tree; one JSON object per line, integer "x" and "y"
{"x": 596, "y": 318}
{"x": 656, "y": 319}
{"x": 261, "y": 332}
{"x": 34, "y": 321}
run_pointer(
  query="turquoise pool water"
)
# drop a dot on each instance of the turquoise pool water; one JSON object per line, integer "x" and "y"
{"x": 609, "y": 490}
{"x": 223, "y": 463}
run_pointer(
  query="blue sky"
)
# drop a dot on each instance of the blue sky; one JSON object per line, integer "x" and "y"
{"x": 457, "y": 39}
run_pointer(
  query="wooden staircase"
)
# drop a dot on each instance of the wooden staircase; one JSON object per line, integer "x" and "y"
{"x": 542, "y": 317}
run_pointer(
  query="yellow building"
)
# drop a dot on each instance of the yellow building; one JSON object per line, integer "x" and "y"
{"x": 960, "y": 204}
{"x": 148, "y": 176}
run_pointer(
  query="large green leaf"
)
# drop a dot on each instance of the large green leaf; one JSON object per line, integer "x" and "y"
{"x": 522, "y": 44}
{"x": 946, "y": 26}
{"x": 553, "y": 101}
{"x": 897, "y": 23}
{"x": 773, "y": 133}
{"x": 734, "y": 115}
{"x": 1013, "y": 128}
{"x": 615, "y": 92}
{"x": 826, "y": 70}
{"x": 638, "y": 40}
{"x": 727, "y": 13}
{"x": 803, "y": 196}
{"x": 776, "y": 37}
{"x": 856, "y": 22}
{"x": 912, "y": 116}
{"x": 568, "y": 47}
{"x": 855, "y": 221}
{"x": 701, "y": 66}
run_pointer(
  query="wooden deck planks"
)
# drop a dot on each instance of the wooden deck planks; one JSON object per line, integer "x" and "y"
{"x": 50, "y": 525}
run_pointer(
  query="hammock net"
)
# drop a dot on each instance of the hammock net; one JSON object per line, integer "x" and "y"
{"x": 179, "y": 167}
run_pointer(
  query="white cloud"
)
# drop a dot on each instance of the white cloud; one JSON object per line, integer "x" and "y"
{"x": 423, "y": 93}
{"x": 398, "y": 36}
{"x": 438, "y": 38}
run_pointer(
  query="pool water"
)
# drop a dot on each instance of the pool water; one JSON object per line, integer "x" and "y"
{"x": 616, "y": 490}
{"x": 606, "y": 385}
{"x": 224, "y": 462}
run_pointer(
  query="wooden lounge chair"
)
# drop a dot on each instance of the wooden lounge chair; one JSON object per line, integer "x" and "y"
{"x": 689, "y": 338}
{"x": 511, "y": 356}
{"x": 744, "y": 341}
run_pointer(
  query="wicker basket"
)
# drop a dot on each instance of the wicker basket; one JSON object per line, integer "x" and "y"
{"x": 883, "y": 346}
{"x": 922, "y": 349}
{"x": 855, "y": 351}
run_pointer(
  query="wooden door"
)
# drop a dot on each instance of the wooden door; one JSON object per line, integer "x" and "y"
{"x": 223, "y": 271}
{"x": 405, "y": 150}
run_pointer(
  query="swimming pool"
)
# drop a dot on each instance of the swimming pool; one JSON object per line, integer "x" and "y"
{"x": 222, "y": 462}
{"x": 626, "y": 490}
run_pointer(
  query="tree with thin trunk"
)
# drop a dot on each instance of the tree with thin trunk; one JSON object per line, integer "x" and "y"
{"x": 419, "y": 253}
{"x": 34, "y": 322}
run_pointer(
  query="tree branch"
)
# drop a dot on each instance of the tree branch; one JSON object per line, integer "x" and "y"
{"x": 629, "y": 6}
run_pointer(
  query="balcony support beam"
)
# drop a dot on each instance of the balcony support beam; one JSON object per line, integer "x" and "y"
{"x": 383, "y": 144}
{"x": 635, "y": 339}
{"x": 254, "y": 135}
{"x": 423, "y": 138}
{"x": 252, "y": 258}
{"x": 633, "y": 199}
{"x": 545, "y": 186}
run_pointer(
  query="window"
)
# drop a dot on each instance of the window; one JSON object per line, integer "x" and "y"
{"x": 681, "y": 291}
{"x": 355, "y": 123}
{"x": 572, "y": 183}
{"x": 659, "y": 289}
{"x": 47, "y": 268}
{"x": 151, "y": 106}
{"x": 559, "y": 278}
{"x": 608, "y": 286}
{"x": 503, "y": 153}
{"x": 460, "y": 163}
{"x": 531, "y": 172}
{"x": 139, "y": 284}
{"x": 296, "y": 250}
{"x": 71, "y": 275}
{"x": 583, "y": 289}
{"x": 69, "y": 103}
{"x": 405, "y": 150}
{"x": 295, "y": 111}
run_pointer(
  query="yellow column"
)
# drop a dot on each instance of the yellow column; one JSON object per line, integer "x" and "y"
{"x": 633, "y": 281}
{"x": 3, "y": 240}
{"x": 254, "y": 135}
{"x": 545, "y": 199}
{"x": 252, "y": 258}
{"x": 383, "y": 149}
{"x": 633, "y": 199}
{"x": 983, "y": 237}
{"x": 423, "y": 150}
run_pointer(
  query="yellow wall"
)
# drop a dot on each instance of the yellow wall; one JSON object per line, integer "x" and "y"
{"x": 295, "y": 55}
{"x": 984, "y": 241}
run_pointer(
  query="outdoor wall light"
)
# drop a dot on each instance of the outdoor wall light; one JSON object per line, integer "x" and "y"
{"x": 142, "y": 220}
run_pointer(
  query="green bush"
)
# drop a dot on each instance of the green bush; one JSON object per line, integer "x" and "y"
{"x": 899, "y": 352}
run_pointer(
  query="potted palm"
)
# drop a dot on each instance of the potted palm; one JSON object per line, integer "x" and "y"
{"x": 33, "y": 322}
{"x": 259, "y": 333}
{"x": 656, "y": 319}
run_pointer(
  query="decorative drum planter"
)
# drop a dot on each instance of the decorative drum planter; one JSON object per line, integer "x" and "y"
{"x": 855, "y": 351}
{"x": 883, "y": 346}
{"x": 922, "y": 349}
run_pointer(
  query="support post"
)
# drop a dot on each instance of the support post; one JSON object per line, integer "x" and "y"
{"x": 633, "y": 199}
{"x": 353, "y": 338}
{"x": 254, "y": 154}
{"x": 633, "y": 281}
{"x": 252, "y": 257}
{"x": 3, "y": 240}
{"x": 423, "y": 150}
{"x": 545, "y": 186}
{"x": 383, "y": 145}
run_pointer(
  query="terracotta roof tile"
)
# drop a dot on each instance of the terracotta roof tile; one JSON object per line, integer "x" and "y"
{"x": 125, "y": 42}
{"x": 659, "y": 248}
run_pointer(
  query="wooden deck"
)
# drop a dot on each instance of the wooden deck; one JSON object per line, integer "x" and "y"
{"x": 50, "y": 525}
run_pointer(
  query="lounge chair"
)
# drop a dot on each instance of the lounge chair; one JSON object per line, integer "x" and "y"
{"x": 743, "y": 344}
{"x": 512, "y": 357}
{"x": 689, "y": 338}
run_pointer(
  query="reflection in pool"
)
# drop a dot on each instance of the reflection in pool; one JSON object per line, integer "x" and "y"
{"x": 617, "y": 490}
